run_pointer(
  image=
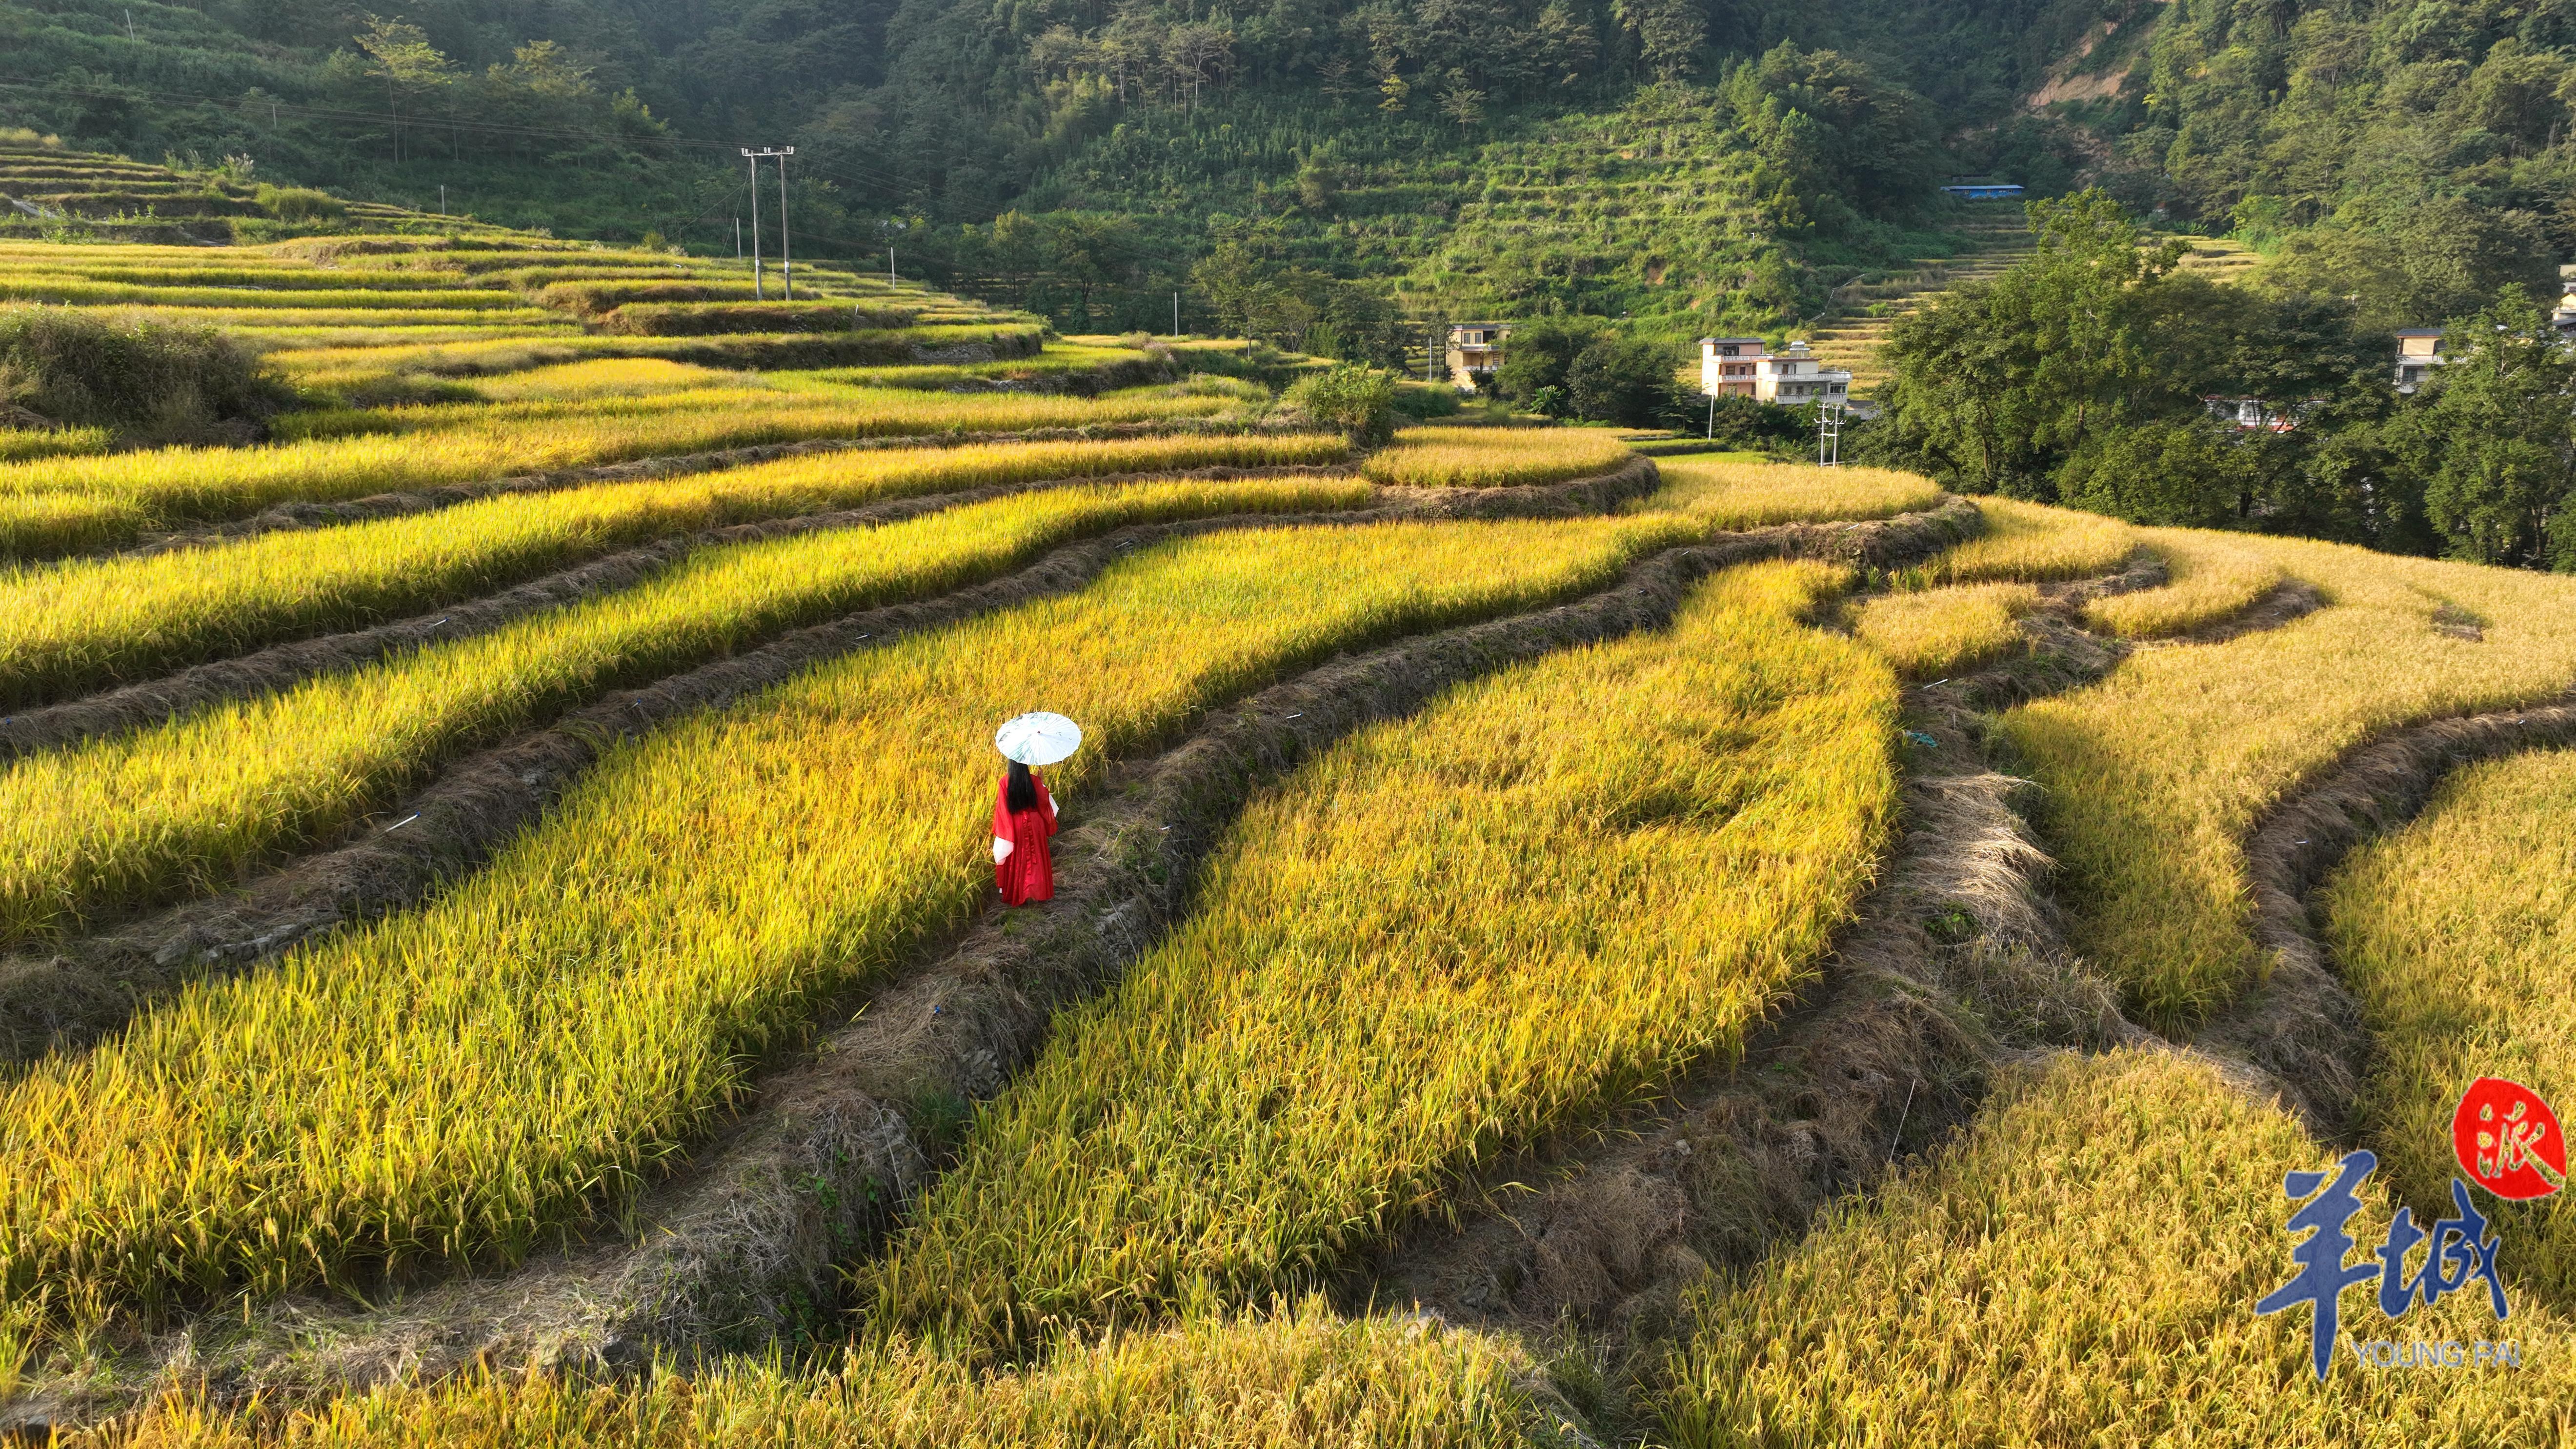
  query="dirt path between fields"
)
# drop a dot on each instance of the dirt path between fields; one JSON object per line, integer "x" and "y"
{"x": 742, "y": 1244}
{"x": 1955, "y": 963}
{"x": 2299, "y": 1023}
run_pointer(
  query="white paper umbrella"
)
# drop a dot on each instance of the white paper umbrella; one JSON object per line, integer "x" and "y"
{"x": 1038, "y": 739}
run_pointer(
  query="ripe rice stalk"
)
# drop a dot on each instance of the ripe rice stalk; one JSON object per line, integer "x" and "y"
{"x": 73, "y": 291}
{"x": 2034, "y": 544}
{"x": 1737, "y": 494}
{"x": 2153, "y": 776}
{"x": 1448, "y": 939}
{"x": 609, "y": 377}
{"x": 129, "y": 821}
{"x": 17, "y": 444}
{"x": 1932, "y": 633}
{"x": 81, "y": 624}
{"x": 2210, "y": 576}
{"x": 1465, "y": 457}
{"x": 54, "y": 506}
{"x": 458, "y": 1083}
{"x": 2458, "y": 935}
{"x": 1297, "y": 1379}
{"x": 2080, "y": 1267}
{"x": 247, "y": 313}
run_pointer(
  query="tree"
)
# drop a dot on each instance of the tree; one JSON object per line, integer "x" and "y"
{"x": 1997, "y": 385}
{"x": 406, "y": 62}
{"x": 1624, "y": 380}
{"x": 1462, "y": 103}
{"x": 2498, "y": 435}
{"x": 1669, "y": 34}
{"x": 1538, "y": 354}
{"x": 1830, "y": 132}
{"x": 2186, "y": 472}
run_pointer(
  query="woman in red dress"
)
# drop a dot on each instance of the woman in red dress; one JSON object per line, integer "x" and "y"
{"x": 1023, "y": 822}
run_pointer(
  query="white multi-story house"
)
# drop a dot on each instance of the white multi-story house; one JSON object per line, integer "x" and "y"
{"x": 1743, "y": 367}
{"x": 1726, "y": 365}
{"x": 1794, "y": 378}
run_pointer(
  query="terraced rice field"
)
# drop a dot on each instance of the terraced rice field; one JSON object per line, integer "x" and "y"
{"x": 1531, "y": 965}
{"x": 2456, "y": 934}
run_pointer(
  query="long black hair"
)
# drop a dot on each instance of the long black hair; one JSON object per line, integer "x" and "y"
{"x": 1022, "y": 793}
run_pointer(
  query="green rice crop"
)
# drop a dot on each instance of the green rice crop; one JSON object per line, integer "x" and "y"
{"x": 525, "y": 1050}
{"x": 1450, "y": 938}
{"x": 76, "y": 625}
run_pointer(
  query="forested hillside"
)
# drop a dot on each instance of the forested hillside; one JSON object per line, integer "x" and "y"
{"x": 2415, "y": 156}
{"x": 1665, "y": 160}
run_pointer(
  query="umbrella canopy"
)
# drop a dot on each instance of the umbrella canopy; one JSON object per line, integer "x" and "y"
{"x": 1038, "y": 739}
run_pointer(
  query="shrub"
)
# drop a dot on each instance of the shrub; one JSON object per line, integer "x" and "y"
{"x": 1423, "y": 401}
{"x": 1360, "y": 401}
{"x": 145, "y": 381}
{"x": 300, "y": 203}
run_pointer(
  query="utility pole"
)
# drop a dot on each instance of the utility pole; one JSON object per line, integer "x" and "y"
{"x": 1829, "y": 436}
{"x": 1430, "y": 349}
{"x": 1712, "y": 417}
{"x": 786, "y": 259}
{"x": 758, "y": 294}
{"x": 737, "y": 238}
{"x": 889, "y": 266}
{"x": 1176, "y": 316}
{"x": 442, "y": 199}
{"x": 786, "y": 266}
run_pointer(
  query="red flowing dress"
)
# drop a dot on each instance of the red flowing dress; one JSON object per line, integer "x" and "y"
{"x": 1028, "y": 872}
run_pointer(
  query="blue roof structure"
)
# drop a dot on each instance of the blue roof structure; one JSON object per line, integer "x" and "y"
{"x": 1986, "y": 191}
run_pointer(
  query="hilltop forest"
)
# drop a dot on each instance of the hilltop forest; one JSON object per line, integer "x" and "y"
{"x": 1320, "y": 171}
